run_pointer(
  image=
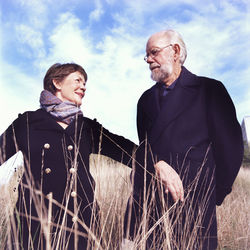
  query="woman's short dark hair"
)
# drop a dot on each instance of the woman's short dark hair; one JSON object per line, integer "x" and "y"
{"x": 58, "y": 72}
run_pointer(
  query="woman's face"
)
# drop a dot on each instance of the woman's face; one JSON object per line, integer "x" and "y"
{"x": 72, "y": 88}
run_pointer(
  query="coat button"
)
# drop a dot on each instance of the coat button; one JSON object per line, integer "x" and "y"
{"x": 70, "y": 147}
{"x": 72, "y": 170}
{"x": 73, "y": 194}
{"x": 46, "y": 146}
{"x": 47, "y": 170}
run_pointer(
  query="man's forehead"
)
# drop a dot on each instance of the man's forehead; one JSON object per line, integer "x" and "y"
{"x": 157, "y": 40}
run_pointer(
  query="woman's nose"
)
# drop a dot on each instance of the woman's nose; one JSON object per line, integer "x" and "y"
{"x": 83, "y": 86}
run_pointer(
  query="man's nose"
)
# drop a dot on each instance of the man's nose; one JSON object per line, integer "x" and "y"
{"x": 149, "y": 59}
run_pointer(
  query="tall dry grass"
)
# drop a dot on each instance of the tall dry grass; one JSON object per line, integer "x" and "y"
{"x": 233, "y": 215}
{"x": 112, "y": 191}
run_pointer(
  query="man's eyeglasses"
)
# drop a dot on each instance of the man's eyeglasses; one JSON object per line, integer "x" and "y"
{"x": 155, "y": 52}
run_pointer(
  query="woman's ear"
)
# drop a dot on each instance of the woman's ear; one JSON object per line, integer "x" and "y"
{"x": 57, "y": 84}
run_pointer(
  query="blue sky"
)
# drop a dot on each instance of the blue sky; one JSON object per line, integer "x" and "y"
{"x": 108, "y": 37}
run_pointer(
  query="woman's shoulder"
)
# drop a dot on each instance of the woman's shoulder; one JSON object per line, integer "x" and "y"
{"x": 22, "y": 120}
{"x": 32, "y": 114}
{"x": 92, "y": 123}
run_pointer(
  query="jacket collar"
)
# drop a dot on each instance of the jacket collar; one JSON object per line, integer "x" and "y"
{"x": 177, "y": 101}
{"x": 42, "y": 120}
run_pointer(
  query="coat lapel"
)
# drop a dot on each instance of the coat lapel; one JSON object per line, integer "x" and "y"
{"x": 41, "y": 120}
{"x": 177, "y": 101}
{"x": 151, "y": 103}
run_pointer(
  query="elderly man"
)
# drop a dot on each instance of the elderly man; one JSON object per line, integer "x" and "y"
{"x": 193, "y": 144}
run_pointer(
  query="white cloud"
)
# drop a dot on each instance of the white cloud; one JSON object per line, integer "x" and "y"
{"x": 19, "y": 93}
{"x": 68, "y": 42}
{"x": 111, "y": 2}
{"x": 115, "y": 70}
{"x": 35, "y": 12}
{"x": 217, "y": 43}
{"x": 243, "y": 101}
{"x": 117, "y": 79}
{"x": 96, "y": 14}
{"x": 31, "y": 37}
{"x": 215, "y": 37}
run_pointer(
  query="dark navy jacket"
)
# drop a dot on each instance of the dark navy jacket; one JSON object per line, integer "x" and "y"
{"x": 52, "y": 155}
{"x": 196, "y": 131}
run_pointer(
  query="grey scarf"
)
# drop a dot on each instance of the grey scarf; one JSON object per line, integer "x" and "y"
{"x": 62, "y": 111}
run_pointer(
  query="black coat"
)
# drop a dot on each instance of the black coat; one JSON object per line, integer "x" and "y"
{"x": 50, "y": 154}
{"x": 196, "y": 131}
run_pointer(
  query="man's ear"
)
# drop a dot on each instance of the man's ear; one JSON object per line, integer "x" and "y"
{"x": 177, "y": 51}
{"x": 57, "y": 84}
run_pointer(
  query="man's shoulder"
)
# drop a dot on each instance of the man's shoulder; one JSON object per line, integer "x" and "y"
{"x": 208, "y": 80}
{"x": 210, "y": 83}
{"x": 212, "y": 88}
{"x": 193, "y": 79}
{"x": 148, "y": 92}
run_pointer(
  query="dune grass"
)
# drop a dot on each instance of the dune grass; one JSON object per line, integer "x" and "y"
{"x": 233, "y": 215}
{"x": 112, "y": 191}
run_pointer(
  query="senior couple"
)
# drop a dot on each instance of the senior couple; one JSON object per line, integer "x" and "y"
{"x": 189, "y": 155}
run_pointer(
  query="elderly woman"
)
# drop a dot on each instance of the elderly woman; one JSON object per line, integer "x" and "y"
{"x": 56, "y": 141}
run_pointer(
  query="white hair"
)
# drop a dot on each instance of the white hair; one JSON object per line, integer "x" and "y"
{"x": 175, "y": 38}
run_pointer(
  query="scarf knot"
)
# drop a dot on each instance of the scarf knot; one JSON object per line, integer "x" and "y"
{"x": 62, "y": 111}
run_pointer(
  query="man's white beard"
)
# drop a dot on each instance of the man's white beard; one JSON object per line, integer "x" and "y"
{"x": 162, "y": 73}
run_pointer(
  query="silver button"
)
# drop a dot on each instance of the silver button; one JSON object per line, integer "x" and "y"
{"x": 72, "y": 170}
{"x": 47, "y": 170}
{"x": 73, "y": 194}
{"x": 70, "y": 147}
{"x": 46, "y": 146}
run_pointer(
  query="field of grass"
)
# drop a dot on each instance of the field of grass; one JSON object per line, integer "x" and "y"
{"x": 234, "y": 215}
{"x": 113, "y": 189}
{"x": 112, "y": 192}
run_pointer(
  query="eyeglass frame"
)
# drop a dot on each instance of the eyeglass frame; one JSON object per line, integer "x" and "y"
{"x": 156, "y": 53}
